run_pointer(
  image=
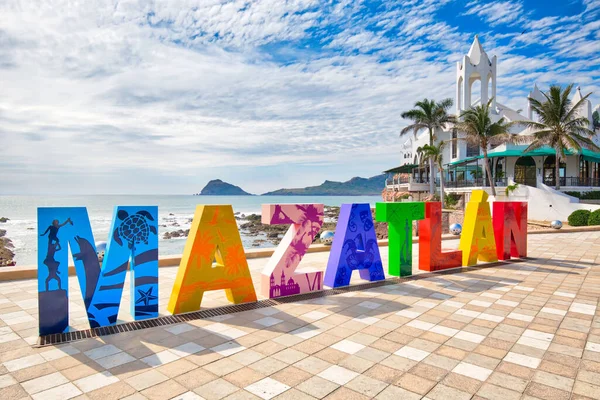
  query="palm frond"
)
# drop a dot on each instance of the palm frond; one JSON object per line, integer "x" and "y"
{"x": 414, "y": 115}
{"x": 533, "y": 146}
{"x": 521, "y": 139}
{"x": 414, "y": 128}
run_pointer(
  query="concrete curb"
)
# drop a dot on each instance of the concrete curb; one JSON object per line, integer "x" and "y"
{"x": 30, "y": 272}
{"x": 570, "y": 229}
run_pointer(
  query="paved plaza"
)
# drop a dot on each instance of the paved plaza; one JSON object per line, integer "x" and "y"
{"x": 519, "y": 330}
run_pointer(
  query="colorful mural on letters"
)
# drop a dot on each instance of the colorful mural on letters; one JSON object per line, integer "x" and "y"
{"x": 213, "y": 236}
{"x": 510, "y": 229}
{"x": 477, "y": 239}
{"x": 133, "y": 244}
{"x": 431, "y": 257}
{"x": 399, "y": 217}
{"x": 280, "y": 278}
{"x": 134, "y": 239}
{"x": 354, "y": 247}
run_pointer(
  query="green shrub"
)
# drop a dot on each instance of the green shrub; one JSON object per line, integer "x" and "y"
{"x": 452, "y": 199}
{"x": 579, "y": 218}
{"x": 593, "y": 195}
{"x": 594, "y": 218}
{"x": 574, "y": 194}
{"x": 511, "y": 188}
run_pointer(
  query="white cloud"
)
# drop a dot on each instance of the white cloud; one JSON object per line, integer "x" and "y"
{"x": 497, "y": 12}
{"x": 156, "y": 97}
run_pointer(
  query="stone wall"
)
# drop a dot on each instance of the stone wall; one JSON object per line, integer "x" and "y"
{"x": 455, "y": 217}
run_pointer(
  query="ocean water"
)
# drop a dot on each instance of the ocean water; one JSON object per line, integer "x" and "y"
{"x": 174, "y": 209}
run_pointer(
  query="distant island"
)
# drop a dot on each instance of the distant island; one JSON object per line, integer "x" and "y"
{"x": 217, "y": 187}
{"x": 354, "y": 187}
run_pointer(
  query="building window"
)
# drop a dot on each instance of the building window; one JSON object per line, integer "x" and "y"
{"x": 550, "y": 171}
{"x": 454, "y": 144}
{"x": 525, "y": 171}
{"x": 500, "y": 169}
{"x": 472, "y": 150}
{"x": 584, "y": 168}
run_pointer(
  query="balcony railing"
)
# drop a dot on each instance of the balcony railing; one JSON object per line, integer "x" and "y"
{"x": 418, "y": 179}
{"x": 407, "y": 180}
{"x": 573, "y": 181}
{"x": 477, "y": 182}
{"x": 397, "y": 181}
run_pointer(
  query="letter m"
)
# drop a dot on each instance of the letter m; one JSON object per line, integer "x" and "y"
{"x": 133, "y": 244}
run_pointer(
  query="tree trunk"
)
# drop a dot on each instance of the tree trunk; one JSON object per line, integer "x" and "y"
{"x": 557, "y": 171}
{"x": 431, "y": 177}
{"x": 431, "y": 165}
{"x": 489, "y": 172}
{"x": 442, "y": 187}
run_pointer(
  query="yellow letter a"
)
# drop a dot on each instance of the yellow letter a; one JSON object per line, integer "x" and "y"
{"x": 213, "y": 235}
{"x": 477, "y": 240}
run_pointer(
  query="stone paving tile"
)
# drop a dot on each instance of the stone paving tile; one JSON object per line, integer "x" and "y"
{"x": 529, "y": 329}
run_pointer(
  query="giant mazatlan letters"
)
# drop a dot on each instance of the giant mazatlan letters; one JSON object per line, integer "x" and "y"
{"x": 213, "y": 237}
{"x": 133, "y": 244}
{"x": 280, "y": 276}
{"x": 214, "y": 257}
{"x": 354, "y": 247}
{"x": 431, "y": 256}
{"x": 400, "y": 217}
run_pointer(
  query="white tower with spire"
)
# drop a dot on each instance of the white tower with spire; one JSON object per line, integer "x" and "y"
{"x": 476, "y": 65}
{"x": 535, "y": 94}
{"x": 586, "y": 108}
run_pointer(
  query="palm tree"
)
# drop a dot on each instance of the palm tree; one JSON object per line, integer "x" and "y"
{"x": 430, "y": 115}
{"x": 479, "y": 129}
{"x": 560, "y": 127}
{"x": 435, "y": 154}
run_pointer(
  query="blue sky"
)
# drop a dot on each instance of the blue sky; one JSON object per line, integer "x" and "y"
{"x": 159, "y": 97}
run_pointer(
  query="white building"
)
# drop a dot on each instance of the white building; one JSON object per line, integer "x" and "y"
{"x": 464, "y": 164}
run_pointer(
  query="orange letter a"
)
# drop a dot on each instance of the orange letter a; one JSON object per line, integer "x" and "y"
{"x": 213, "y": 235}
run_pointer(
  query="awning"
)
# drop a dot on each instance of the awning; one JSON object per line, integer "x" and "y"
{"x": 467, "y": 168}
{"x": 403, "y": 169}
{"x": 464, "y": 161}
{"x": 591, "y": 156}
{"x": 588, "y": 155}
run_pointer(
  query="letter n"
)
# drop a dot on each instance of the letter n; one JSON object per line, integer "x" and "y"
{"x": 510, "y": 229}
{"x": 133, "y": 243}
{"x": 477, "y": 239}
{"x": 354, "y": 247}
{"x": 431, "y": 257}
{"x": 213, "y": 235}
{"x": 279, "y": 277}
{"x": 399, "y": 217}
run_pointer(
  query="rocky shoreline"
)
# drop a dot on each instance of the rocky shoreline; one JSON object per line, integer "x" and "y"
{"x": 6, "y": 254}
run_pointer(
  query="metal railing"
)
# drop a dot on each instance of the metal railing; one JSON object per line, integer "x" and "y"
{"x": 418, "y": 179}
{"x": 573, "y": 181}
{"x": 406, "y": 181}
{"x": 477, "y": 182}
{"x": 397, "y": 181}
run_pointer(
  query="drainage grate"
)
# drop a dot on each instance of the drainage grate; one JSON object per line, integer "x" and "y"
{"x": 59, "y": 338}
